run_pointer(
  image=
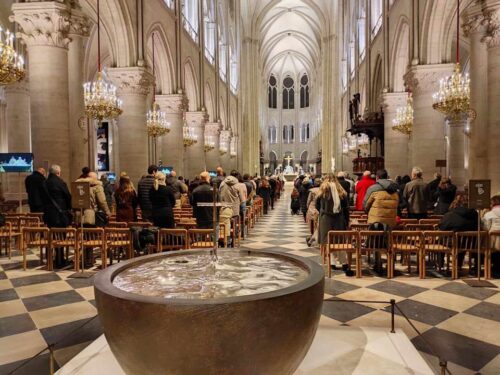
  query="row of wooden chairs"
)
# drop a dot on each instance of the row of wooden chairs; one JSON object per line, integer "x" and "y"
{"x": 421, "y": 243}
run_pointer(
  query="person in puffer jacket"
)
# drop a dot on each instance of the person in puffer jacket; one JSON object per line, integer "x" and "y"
{"x": 229, "y": 194}
{"x": 382, "y": 200}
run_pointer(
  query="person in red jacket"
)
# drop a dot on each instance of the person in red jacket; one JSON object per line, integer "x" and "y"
{"x": 361, "y": 188}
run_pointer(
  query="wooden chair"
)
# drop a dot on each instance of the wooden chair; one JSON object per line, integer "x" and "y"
{"x": 406, "y": 243}
{"x": 142, "y": 224}
{"x": 39, "y": 215}
{"x": 440, "y": 242}
{"x": 362, "y": 220}
{"x": 420, "y": 227}
{"x": 359, "y": 227}
{"x": 36, "y": 237}
{"x": 348, "y": 241}
{"x": 172, "y": 239}
{"x": 7, "y": 234}
{"x": 120, "y": 239}
{"x": 65, "y": 238}
{"x": 466, "y": 242}
{"x": 236, "y": 231}
{"x": 404, "y": 222}
{"x": 377, "y": 242}
{"x": 15, "y": 229}
{"x": 90, "y": 238}
{"x": 223, "y": 234}
{"x": 117, "y": 224}
{"x": 28, "y": 221}
{"x": 201, "y": 238}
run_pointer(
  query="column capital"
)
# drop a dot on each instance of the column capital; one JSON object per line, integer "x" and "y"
{"x": 483, "y": 17}
{"x": 491, "y": 22}
{"x": 172, "y": 103}
{"x": 225, "y": 135}
{"x": 196, "y": 119}
{"x": 425, "y": 78}
{"x": 79, "y": 24}
{"x": 135, "y": 80}
{"x": 212, "y": 128}
{"x": 42, "y": 23}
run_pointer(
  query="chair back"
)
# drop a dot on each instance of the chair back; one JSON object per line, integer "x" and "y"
{"x": 28, "y": 221}
{"x": 200, "y": 238}
{"x": 92, "y": 237}
{"x": 62, "y": 237}
{"x": 374, "y": 240}
{"x": 172, "y": 239}
{"x": 343, "y": 240}
{"x": 35, "y": 236}
{"x": 6, "y": 229}
{"x": 406, "y": 240}
{"x": 467, "y": 241}
{"x": 14, "y": 221}
{"x": 142, "y": 224}
{"x": 404, "y": 222}
{"x": 117, "y": 224}
{"x": 359, "y": 227}
{"x": 429, "y": 221}
{"x": 438, "y": 240}
{"x": 419, "y": 227}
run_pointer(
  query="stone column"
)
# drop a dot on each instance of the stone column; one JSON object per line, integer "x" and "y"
{"x": 17, "y": 116}
{"x": 78, "y": 32}
{"x": 427, "y": 141}
{"x": 170, "y": 147}
{"x": 133, "y": 85}
{"x": 212, "y": 158}
{"x": 456, "y": 152}
{"x": 395, "y": 143}
{"x": 225, "y": 139}
{"x": 44, "y": 29}
{"x": 195, "y": 158}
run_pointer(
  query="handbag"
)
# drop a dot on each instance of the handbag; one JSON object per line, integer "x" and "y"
{"x": 101, "y": 219}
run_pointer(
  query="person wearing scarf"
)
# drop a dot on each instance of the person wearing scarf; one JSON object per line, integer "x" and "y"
{"x": 331, "y": 204}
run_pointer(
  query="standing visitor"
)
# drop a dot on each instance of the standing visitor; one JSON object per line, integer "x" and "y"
{"x": 97, "y": 202}
{"x": 401, "y": 188}
{"x": 303, "y": 195}
{"x": 272, "y": 186}
{"x": 431, "y": 191}
{"x": 361, "y": 188}
{"x": 203, "y": 193}
{"x": 445, "y": 194}
{"x": 143, "y": 190}
{"x": 265, "y": 193}
{"x": 312, "y": 212}
{"x": 382, "y": 200}
{"x": 330, "y": 203}
{"x": 231, "y": 196}
{"x": 415, "y": 195}
{"x": 108, "y": 190}
{"x": 219, "y": 177}
{"x": 162, "y": 202}
{"x": 178, "y": 187}
{"x": 34, "y": 184}
{"x": 126, "y": 200}
{"x": 347, "y": 188}
{"x": 491, "y": 222}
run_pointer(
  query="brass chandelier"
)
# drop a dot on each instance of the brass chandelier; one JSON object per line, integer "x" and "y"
{"x": 188, "y": 136}
{"x": 11, "y": 63}
{"x": 453, "y": 97}
{"x": 100, "y": 96}
{"x": 209, "y": 143}
{"x": 156, "y": 120}
{"x": 223, "y": 147}
{"x": 232, "y": 148}
{"x": 403, "y": 122}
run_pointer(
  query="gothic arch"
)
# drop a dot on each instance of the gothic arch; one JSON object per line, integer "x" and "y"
{"x": 191, "y": 85}
{"x": 222, "y": 114}
{"x": 376, "y": 89}
{"x": 209, "y": 102}
{"x": 165, "y": 80}
{"x": 400, "y": 56}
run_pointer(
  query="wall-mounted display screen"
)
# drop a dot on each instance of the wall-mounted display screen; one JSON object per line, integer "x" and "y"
{"x": 16, "y": 162}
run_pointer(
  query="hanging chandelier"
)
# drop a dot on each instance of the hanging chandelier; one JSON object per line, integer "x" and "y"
{"x": 100, "y": 96}
{"x": 232, "y": 149}
{"x": 453, "y": 97}
{"x": 188, "y": 136}
{"x": 11, "y": 63}
{"x": 345, "y": 144}
{"x": 352, "y": 142}
{"x": 209, "y": 143}
{"x": 403, "y": 122}
{"x": 156, "y": 120}
{"x": 223, "y": 148}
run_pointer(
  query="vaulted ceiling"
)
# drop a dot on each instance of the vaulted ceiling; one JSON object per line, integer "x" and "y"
{"x": 289, "y": 33}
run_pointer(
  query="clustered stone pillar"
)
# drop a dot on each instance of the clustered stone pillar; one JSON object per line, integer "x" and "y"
{"x": 212, "y": 160}
{"x": 428, "y": 137}
{"x": 45, "y": 27}
{"x": 395, "y": 143}
{"x": 456, "y": 152}
{"x": 78, "y": 32}
{"x": 195, "y": 159}
{"x": 133, "y": 85}
{"x": 170, "y": 146}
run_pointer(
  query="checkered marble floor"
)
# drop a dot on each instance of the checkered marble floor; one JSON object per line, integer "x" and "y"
{"x": 38, "y": 307}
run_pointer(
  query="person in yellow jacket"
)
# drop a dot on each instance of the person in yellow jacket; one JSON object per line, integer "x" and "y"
{"x": 381, "y": 200}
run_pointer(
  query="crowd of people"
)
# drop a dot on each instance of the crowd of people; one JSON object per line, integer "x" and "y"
{"x": 326, "y": 203}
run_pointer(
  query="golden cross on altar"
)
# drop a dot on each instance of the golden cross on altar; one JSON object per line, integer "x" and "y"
{"x": 288, "y": 159}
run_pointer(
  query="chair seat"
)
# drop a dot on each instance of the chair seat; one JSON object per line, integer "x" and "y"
{"x": 95, "y": 243}
{"x": 341, "y": 246}
{"x": 119, "y": 243}
{"x": 412, "y": 248}
{"x": 63, "y": 243}
{"x": 437, "y": 247}
{"x": 203, "y": 244}
{"x": 38, "y": 243}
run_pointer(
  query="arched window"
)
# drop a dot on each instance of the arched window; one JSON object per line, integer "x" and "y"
{"x": 307, "y": 132}
{"x": 272, "y": 92}
{"x": 376, "y": 17}
{"x": 273, "y": 139}
{"x": 288, "y": 93}
{"x": 285, "y": 133}
{"x": 190, "y": 18}
{"x": 362, "y": 33}
{"x": 291, "y": 133}
{"x": 209, "y": 24}
{"x": 304, "y": 91}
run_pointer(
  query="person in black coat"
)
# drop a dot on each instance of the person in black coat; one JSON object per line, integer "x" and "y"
{"x": 264, "y": 191}
{"x": 203, "y": 193}
{"x": 347, "y": 188}
{"x": 143, "y": 189}
{"x": 162, "y": 202}
{"x": 445, "y": 194}
{"x": 57, "y": 201}
{"x": 34, "y": 184}
{"x": 304, "y": 188}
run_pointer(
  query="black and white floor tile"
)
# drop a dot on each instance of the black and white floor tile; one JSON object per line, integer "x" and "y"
{"x": 461, "y": 323}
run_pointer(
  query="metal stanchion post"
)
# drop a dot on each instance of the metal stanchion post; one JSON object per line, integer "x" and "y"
{"x": 444, "y": 366}
{"x": 51, "y": 359}
{"x": 393, "y": 303}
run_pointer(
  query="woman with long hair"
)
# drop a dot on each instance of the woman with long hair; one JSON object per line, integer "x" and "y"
{"x": 445, "y": 195}
{"x": 331, "y": 202}
{"x": 163, "y": 200}
{"x": 126, "y": 200}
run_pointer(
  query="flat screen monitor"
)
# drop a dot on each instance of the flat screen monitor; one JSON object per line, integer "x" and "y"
{"x": 16, "y": 162}
{"x": 166, "y": 170}
{"x": 212, "y": 173}
{"x": 111, "y": 177}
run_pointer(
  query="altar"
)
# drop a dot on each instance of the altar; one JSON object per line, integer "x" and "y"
{"x": 289, "y": 172}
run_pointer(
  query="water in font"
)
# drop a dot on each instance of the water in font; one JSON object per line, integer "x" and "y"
{"x": 197, "y": 276}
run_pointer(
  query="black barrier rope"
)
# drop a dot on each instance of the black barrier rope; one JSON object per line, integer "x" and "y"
{"x": 50, "y": 348}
